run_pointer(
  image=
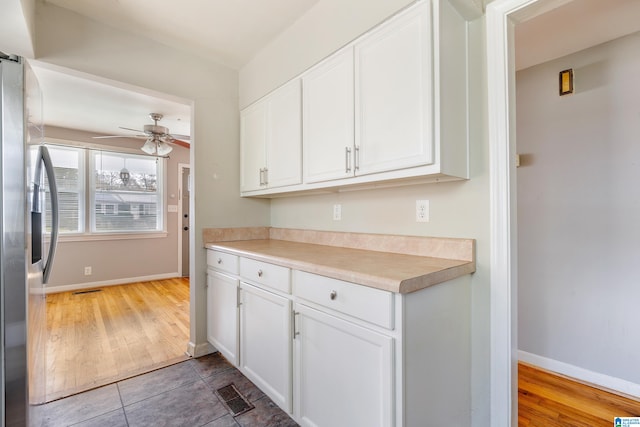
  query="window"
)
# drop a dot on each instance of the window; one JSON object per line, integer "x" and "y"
{"x": 125, "y": 192}
{"x": 69, "y": 171}
{"x": 102, "y": 192}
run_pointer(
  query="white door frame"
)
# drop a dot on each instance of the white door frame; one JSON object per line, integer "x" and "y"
{"x": 181, "y": 167}
{"x": 501, "y": 17}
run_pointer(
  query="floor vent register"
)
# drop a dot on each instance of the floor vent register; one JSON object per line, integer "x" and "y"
{"x": 235, "y": 402}
{"x": 90, "y": 291}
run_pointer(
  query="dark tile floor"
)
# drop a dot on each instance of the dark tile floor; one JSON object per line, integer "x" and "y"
{"x": 179, "y": 395}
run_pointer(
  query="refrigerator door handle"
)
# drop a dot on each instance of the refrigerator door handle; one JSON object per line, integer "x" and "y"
{"x": 44, "y": 156}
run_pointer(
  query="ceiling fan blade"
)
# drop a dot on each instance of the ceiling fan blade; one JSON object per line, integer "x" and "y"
{"x": 109, "y": 136}
{"x": 178, "y": 136}
{"x": 135, "y": 130}
{"x": 179, "y": 142}
{"x": 119, "y": 136}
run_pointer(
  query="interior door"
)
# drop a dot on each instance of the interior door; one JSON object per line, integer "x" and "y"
{"x": 185, "y": 195}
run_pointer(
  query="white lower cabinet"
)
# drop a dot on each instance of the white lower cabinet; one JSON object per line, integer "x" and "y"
{"x": 265, "y": 342}
{"x": 222, "y": 314}
{"x": 343, "y": 372}
{"x": 333, "y": 353}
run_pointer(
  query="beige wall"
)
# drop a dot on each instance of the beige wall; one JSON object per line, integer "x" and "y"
{"x": 458, "y": 209}
{"x": 68, "y": 40}
{"x": 578, "y": 211}
{"x": 117, "y": 261}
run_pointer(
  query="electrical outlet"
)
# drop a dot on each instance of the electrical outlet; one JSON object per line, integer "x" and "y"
{"x": 337, "y": 212}
{"x": 422, "y": 211}
{"x": 87, "y": 271}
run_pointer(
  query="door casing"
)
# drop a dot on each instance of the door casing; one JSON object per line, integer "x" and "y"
{"x": 501, "y": 18}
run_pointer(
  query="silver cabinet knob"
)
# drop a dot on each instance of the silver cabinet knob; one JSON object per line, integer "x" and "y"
{"x": 219, "y": 260}
{"x": 333, "y": 295}
{"x": 259, "y": 273}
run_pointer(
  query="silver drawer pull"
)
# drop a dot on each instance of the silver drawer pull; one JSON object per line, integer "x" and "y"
{"x": 259, "y": 273}
{"x": 219, "y": 260}
{"x": 333, "y": 295}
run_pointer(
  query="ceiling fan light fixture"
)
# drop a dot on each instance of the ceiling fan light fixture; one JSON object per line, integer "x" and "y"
{"x": 149, "y": 147}
{"x": 164, "y": 149}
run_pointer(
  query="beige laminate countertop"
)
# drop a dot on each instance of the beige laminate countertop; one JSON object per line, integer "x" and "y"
{"x": 382, "y": 270}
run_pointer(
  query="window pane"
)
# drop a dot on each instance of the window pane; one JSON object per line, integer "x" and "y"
{"x": 126, "y": 195}
{"x": 67, "y": 165}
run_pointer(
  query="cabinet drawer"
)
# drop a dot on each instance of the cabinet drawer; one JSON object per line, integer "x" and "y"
{"x": 369, "y": 304}
{"x": 274, "y": 276}
{"x": 222, "y": 261}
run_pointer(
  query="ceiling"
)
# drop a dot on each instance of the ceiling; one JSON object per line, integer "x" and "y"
{"x": 77, "y": 102}
{"x": 572, "y": 27}
{"x": 232, "y": 32}
{"x": 227, "y": 31}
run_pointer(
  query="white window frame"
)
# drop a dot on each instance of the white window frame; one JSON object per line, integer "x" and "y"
{"x": 87, "y": 195}
{"x": 82, "y": 186}
{"x": 161, "y": 185}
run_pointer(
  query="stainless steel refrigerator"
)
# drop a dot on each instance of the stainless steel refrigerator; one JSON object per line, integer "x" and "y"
{"x": 28, "y": 232}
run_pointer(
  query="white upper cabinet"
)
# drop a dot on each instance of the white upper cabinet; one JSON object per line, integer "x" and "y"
{"x": 328, "y": 133}
{"x": 253, "y": 141}
{"x": 390, "y": 106}
{"x": 271, "y": 140}
{"x": 368, "y": 108}
{"x": 394, "y": 95}
{"x": 284, "y": 143}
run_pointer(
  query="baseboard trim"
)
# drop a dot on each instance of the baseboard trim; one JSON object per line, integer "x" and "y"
{"x": 198, "y": 350}
{"x": 123, "y": 281}
{"x": 606, "y": 382}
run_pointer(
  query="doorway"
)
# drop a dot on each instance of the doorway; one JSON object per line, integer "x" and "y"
{"x": 184, "y": 194}
{"x": 502, "y": 18}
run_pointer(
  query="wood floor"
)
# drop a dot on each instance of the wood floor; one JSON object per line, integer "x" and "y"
{"x": 548, "y": 400}
{"x": 95, "y": 338}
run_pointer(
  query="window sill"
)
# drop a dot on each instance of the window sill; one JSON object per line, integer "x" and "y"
{"x": 110, "y": 236}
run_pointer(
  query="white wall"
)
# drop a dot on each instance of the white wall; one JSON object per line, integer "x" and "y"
{"x": 68, "y": 40}
{"x": 458, "y": 209}
{"x": 117, "y": 261}
{"x": 17, "y": 29}
{"x": 578, "y": 210}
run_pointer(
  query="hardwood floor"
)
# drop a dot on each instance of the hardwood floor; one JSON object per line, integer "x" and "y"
{"x": 95, "y": 337}
{"x": 549, "y": 400}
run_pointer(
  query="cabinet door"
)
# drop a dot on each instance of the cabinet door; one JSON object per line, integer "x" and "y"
{"x": 394, "y": 94}
{"x": 284, "y": 140}
{"x": 328, "y": 119}
{"x": 253, "y": 140}
{"x": 265, "y": 331}
{"x": 343, "y": 372}
{"x": 222, "y": 314}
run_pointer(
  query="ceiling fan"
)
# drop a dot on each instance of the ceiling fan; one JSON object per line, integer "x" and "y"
{"x": 158, "y": 137}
